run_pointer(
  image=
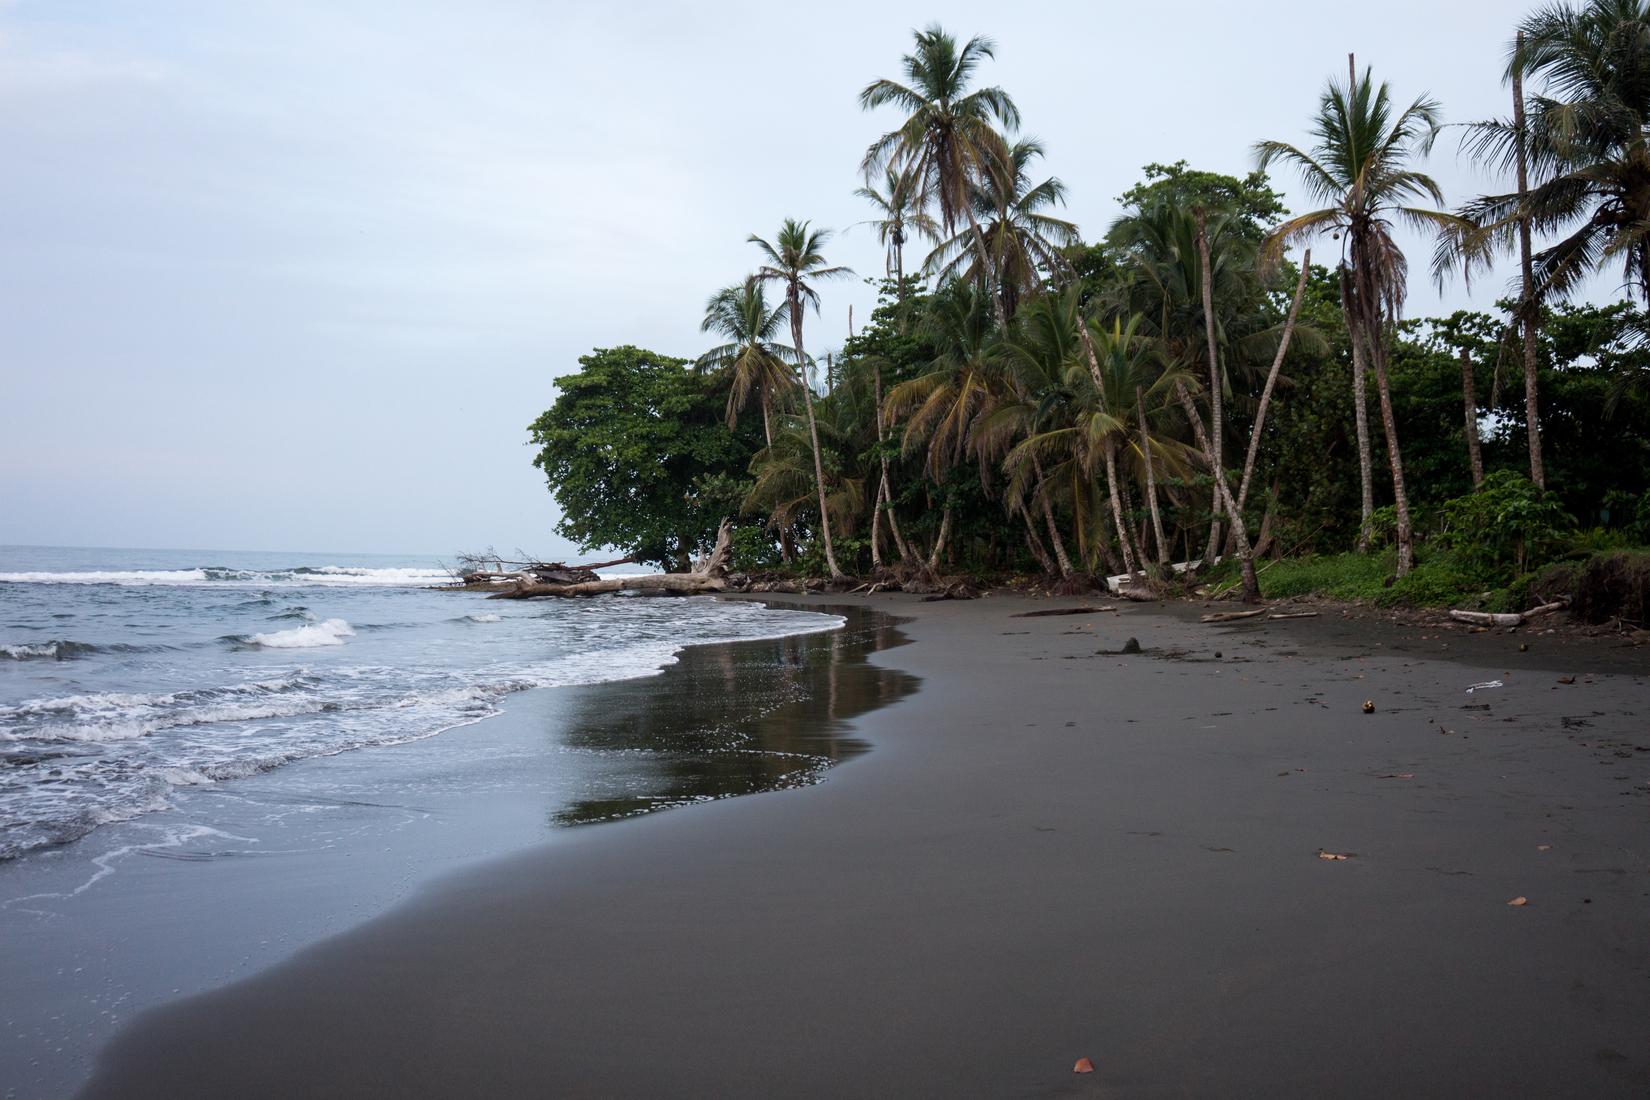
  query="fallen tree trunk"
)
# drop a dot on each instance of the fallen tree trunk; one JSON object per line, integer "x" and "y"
{"x": 681, "y": 584}
{"x": 709, "y": 574}
{"x": 1507, "y": 618}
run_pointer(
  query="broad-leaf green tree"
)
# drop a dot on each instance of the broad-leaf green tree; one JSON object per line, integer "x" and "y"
{"x": 634, "y": 450}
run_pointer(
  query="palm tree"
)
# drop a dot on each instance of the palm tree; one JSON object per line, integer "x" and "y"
{"x": 795, "y": 262}
{"x": 900, "y": 212}
{"x": 753, "y": 362}
{"x": 949, "y": 139}
{"x": 1038, "y": 351}
{"x": 1021, "y": 239}
{"x": 1586, "y": 138}
{"x": 1359, "y": 167}
{"x": 961, "y": 386}
{"x": 1191, "y": 275}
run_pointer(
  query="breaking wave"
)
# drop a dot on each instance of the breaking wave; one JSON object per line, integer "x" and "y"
{"x": 334, "y": 576}
{"x": 331, "y": 632}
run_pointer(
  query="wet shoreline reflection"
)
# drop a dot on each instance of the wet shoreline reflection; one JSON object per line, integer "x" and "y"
{"x": 736, "y": 718}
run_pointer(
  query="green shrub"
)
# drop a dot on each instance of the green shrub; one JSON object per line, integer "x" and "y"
{"x": 1501, "y": 529}
{"x": 754, "y": 549}
{"x": 1383, "y": 526}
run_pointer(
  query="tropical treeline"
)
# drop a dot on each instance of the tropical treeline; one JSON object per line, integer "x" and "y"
{"x": 1213, "y": 377}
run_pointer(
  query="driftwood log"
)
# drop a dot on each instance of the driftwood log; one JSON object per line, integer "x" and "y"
{"x": 1232, "y": 616}
{"x": 709, "y": 574}
{"x": 1507, "y": 618}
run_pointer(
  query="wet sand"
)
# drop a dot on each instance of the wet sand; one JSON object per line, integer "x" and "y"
{"x": 1052, "y": 851}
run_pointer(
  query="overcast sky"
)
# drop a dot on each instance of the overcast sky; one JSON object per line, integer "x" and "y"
{"x": 297, "y": 276}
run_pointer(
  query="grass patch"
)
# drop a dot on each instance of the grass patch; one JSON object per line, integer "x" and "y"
{"x": 1604, "y": 586}
{"x": 1438, "y": 580}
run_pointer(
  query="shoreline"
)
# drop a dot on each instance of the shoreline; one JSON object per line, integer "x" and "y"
{"x": 1110, "y": 857}
{"x": 249, "y": 871}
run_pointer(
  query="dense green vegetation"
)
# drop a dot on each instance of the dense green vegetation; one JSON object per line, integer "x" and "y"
{"x": 1186, "y": 385}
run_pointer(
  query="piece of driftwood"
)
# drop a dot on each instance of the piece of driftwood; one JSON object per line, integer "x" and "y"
{"x": 1294, "y": 615}
{"x": 537, "y": 572}
{"x": 1059, "y": 611}
{"x": 709, "y": 574}
{"x": 1507, "y": 618}
{"x": 1231, "y": 616}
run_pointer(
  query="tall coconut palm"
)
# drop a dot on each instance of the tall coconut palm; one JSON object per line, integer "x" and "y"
{"x": 1022, "y": 240}
{"x": 950, "y": 138}
{"x": 1586, "y": 139}
{"x": 1359, "y": 167}
{"x": 901, "y": 213}
{"x": 795, "y": 262}
{"x": 754, "y": 364}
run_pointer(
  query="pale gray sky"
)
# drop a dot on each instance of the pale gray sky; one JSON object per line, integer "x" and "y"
{"x": 280, "y": 275}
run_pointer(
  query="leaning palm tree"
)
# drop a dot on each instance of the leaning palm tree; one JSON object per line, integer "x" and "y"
{"x": 1586, "y": 139}
{"x": 754, "y": 364}
{"x": 1022, "y": 240}
{"x": 1359, "y": 168}
{"x": 1191, "y": 275}
{"x": 794, "y": 261}
{"x": 901, "y": 212}
{"x": 950, "y": 137}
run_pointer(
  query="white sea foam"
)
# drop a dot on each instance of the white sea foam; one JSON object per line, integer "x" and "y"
{"x": 122, "y": 716}
{"x": 210, "y": 713}
{"x": 322, "y": 576}
{"x": 331, "y": 632}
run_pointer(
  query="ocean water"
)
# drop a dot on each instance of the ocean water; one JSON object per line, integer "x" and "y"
{"x": 132, "y": 679}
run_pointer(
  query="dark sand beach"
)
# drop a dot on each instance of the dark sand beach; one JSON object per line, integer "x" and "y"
{"x": 1051, "y": 851}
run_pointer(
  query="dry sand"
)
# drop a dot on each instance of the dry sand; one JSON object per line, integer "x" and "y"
{"x": 1049, "y": 853}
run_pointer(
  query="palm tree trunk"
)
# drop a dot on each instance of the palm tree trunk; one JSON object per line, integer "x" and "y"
{"x": 813, "y": 432}
{"x": 876, "y": 531}
{"x": 1151, "y": 476}
{"x": 1246, "y": 554}
{"x": 1217, "y": 401}
{"x": 1527, "y": 305}
{"x": 886, "y": 491}
{"x": 939, "y": 543}
{"x": 990, "y": 268}
{"x": 1360, "y": 416}
{"x": 1117, "y": 506}
{"x": 1136, "y": 535}
{"x": 1271, "y": 383}
{"x": 1035, "y": 544}
{"x": 1048, "y": 518}
{"x": 899, "y": 272}
{"x": 1469, "y": 398}
{"x": 1406, "y": 547}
